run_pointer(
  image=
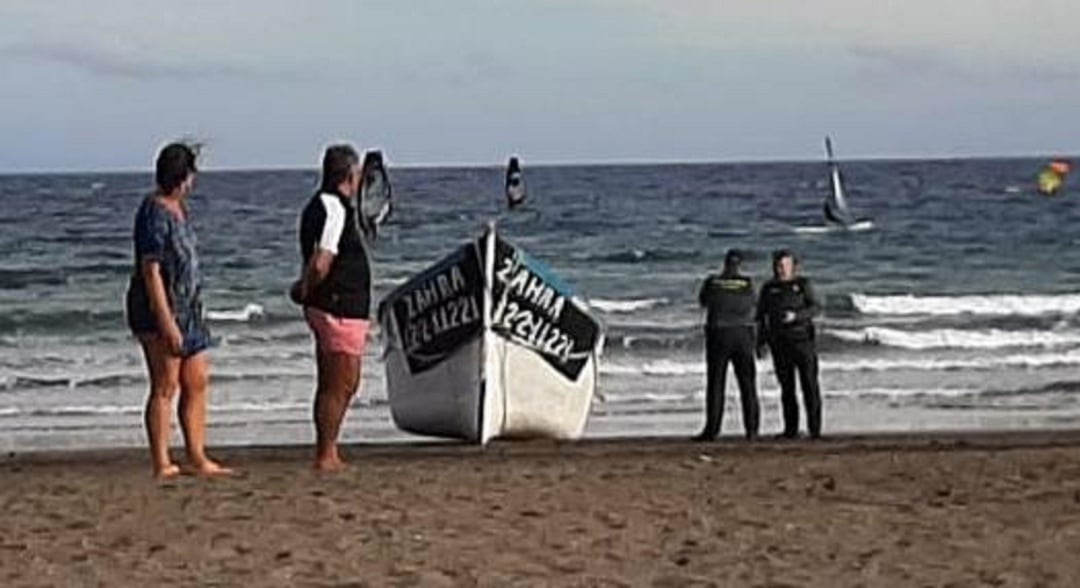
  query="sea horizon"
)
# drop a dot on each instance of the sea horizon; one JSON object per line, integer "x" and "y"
{"x": 547, "y": 163}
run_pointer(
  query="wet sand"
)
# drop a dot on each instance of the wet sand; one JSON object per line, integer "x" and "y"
{"x": 902, "y": 510}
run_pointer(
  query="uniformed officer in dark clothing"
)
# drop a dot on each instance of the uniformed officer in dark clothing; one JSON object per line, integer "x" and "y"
{"x": 785, "y": 312}
{"x": 729, "y": 337}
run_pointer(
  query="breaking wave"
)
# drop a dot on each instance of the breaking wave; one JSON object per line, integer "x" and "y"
{"x": 990, "y": 304}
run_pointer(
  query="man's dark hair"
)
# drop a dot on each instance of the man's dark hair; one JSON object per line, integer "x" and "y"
{"x": 337, "y": 164}
{"x": 733, "y": 258}
{"x": 174, "y": 163}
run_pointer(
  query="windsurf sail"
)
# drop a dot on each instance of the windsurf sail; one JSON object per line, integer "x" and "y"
{"x": 375, "y": 193}
{"x": 1052, "y": 177}
{"x": 836, "y": 208}
{"x": 515, "y": 184}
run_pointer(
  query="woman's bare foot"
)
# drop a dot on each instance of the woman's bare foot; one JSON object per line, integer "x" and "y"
{"x": 167, "y": 471}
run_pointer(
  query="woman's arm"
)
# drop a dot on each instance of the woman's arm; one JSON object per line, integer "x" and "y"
{"x": 159, "y": 305}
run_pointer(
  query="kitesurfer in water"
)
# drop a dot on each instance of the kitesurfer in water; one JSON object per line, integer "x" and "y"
{"x": 785, "y": 312}
{"x": 729, "y": 338}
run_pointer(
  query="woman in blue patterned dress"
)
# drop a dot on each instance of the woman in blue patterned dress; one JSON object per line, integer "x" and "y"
{"x": 164, "y": 311}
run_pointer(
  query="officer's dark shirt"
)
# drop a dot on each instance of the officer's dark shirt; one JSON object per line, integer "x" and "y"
{"x": 777, "y": 299}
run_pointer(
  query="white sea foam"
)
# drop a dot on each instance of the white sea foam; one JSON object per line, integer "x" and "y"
{"x": 626, "y": 306}
{"x": 390, "y": 282}
{"x": 663, "y": 367}
{"x": 623, "y": 398}
{"x": 855, "y": 227}
{"x": 991, "y": 304}
{"x": 244, "y": 372}
{"x": 249, "y": 312}
{"x": 670, "y": 368}
{"x": 127, "y": 409}
{"x": 665, "y": 325}
{"x": 262, "y": 407}
{"x": 637, "y": 400}
{"x": 957, "y": 338}
{"x": 16, "y": 381}
{"x": 818, "y": 230}
{"x": 87, "y": 410}
{"x": 1019, "y": 360}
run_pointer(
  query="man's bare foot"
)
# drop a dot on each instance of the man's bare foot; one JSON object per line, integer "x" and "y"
{"x": 210, "y": 468}
{"x": 329, "y": 465}
{"x": 169, "y": 471}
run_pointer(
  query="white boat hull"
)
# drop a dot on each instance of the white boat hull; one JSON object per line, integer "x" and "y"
{"x": 526, "y": 367}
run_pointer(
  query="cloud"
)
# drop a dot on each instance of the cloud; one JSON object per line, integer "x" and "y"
{"x": 435, "y": 80}
{"x": 475, "y": 68}
{"x": 890, "y": 64}
{"x": 131, "y": 64}
{"x": 1037, "y": 37}
{"x": 880, "y": 63}
{"x": 139, "y": 41}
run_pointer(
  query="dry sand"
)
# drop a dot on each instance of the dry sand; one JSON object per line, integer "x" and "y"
{"x": 973, "y": 510}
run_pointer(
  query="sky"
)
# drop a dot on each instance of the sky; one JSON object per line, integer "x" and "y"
{"x": 268, "y": 83}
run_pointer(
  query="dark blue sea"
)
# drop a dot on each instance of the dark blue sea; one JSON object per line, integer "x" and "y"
{"x": 957, "y": 310}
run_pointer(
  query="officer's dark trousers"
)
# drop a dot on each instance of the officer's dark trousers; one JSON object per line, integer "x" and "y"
{"x": 790, "y": 356}
{"x": 733, "y": 345}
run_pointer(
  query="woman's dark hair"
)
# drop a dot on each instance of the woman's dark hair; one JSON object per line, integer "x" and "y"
{"x": 782, "y": 253}
{"x": 337, "y": 164}
{"x": 175, "y": 162}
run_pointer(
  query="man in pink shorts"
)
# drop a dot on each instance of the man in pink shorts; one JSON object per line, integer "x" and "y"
{"x": 335, "y": 289}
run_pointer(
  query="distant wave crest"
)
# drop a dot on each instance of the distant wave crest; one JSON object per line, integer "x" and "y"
{"x": 956, "y": 338}
{"x": 660, "y": 402}
{"x": 249, "y": 313}
{"x": 116, "y": 380}
{"x": 645, "y": 255}
{"x": 110, "y": 409}
{"x": 670, "y": 368}
{"x": 625, "y": 306}
{"x": 23, "y": 382}
{"x": 990, "y": 304}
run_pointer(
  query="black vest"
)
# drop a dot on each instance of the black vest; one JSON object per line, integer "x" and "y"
{"x": 778, "y": 298}
{"x": 346, "y": 290}
{"x": 729, "y": 299}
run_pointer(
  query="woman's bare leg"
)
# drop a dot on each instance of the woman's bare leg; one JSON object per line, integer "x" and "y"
{"x": 164, "y": 370}
{"x": 194, "y": 383}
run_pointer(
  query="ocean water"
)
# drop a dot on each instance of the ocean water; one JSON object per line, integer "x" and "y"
{"x": 958, "y": 310}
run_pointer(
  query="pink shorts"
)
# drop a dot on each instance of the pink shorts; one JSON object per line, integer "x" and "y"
{"x": 335, "y": 334}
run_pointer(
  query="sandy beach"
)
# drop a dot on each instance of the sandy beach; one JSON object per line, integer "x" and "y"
{"x": 904, "y": 510}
